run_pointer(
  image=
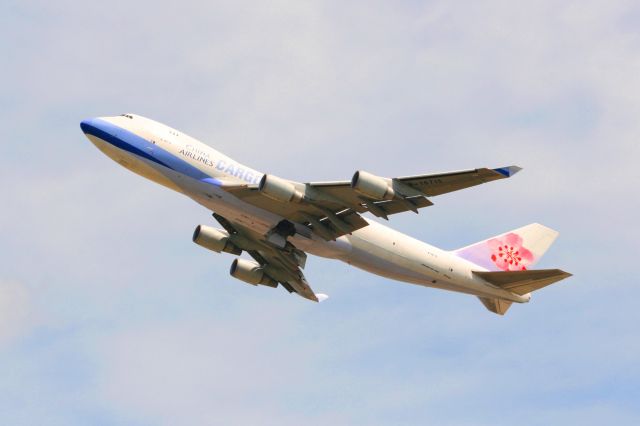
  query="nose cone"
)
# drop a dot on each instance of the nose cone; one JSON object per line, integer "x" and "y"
{"x": 97, "y": 129}
{"x": 89, "y": 126}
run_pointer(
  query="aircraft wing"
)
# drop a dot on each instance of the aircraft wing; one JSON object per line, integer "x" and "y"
{"x": 283, "y": 265}
{"x": 442, "y": 183}
{"x": 332, "y": 209}
{"x": 412, "y": 188}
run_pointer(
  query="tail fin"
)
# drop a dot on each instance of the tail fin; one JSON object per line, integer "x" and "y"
{"x": 498, "y": 306}
{"x": 507, "y": 258}
{"x": 516, "y": 250}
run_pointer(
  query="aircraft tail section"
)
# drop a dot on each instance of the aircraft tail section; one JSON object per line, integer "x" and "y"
{"x": 515, "y": 250}
{"x": 519, "y": 282}
{"x": 506, "y": 260}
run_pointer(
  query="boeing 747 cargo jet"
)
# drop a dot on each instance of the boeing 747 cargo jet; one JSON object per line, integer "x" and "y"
{"x": 277, "y": 221}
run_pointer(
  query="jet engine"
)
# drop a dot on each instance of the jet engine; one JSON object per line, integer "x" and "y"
{"x": 214, "y": 239}
{"x": 251, "y": 272}
{"x": 279, "y": 189}
{"x": 372, "y": 186}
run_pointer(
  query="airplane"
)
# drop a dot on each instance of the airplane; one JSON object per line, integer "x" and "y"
{"x": 278, "y": 221}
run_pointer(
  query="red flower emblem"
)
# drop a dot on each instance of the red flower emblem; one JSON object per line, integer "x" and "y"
{"x": 508, "y": 253}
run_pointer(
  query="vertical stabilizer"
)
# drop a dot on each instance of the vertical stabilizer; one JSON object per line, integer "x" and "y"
{"x": 515, "y": 250}
{"x": 497, "y": 306}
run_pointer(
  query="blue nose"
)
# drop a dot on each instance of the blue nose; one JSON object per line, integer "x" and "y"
{"x": 88, "y": 126}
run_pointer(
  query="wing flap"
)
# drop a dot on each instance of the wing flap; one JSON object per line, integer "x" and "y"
{"x": 523, "y": 282}
{"x": 397, "y": 206}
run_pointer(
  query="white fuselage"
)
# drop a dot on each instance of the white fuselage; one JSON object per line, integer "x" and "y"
{"x": 184, "y": 164}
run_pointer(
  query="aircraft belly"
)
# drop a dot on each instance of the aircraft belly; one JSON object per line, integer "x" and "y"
{"x": 134, "y": 163}
{"x": 376, "y": 259}
{"x": 338, "y": 249}
{"x": 391, "y": 254}
{"x": 401, "y": 269}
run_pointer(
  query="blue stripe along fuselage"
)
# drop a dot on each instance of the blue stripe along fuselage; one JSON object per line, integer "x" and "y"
{"x": 139, "y": 146}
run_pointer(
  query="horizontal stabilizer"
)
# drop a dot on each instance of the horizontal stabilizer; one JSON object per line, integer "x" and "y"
{"x": 497, "y": 306}
{"x": 523, "y": 282}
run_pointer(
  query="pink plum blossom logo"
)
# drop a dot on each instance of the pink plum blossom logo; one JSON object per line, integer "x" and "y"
{"x": 508, "y": 253}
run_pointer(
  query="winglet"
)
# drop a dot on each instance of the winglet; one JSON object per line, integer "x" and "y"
{"x": 508, "y": 171}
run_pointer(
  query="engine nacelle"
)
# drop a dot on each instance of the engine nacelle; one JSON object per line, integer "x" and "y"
{"x": 372, "y": 186}
{"x": 251, "y": 272}
{"x": 279, "y": 189}
{"x": 214, "y": 239}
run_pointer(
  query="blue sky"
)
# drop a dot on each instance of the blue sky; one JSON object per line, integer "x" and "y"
{"x": 110, "y": 315}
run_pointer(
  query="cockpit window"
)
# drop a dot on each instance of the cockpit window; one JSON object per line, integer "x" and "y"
{"x": 129, "y": 116}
